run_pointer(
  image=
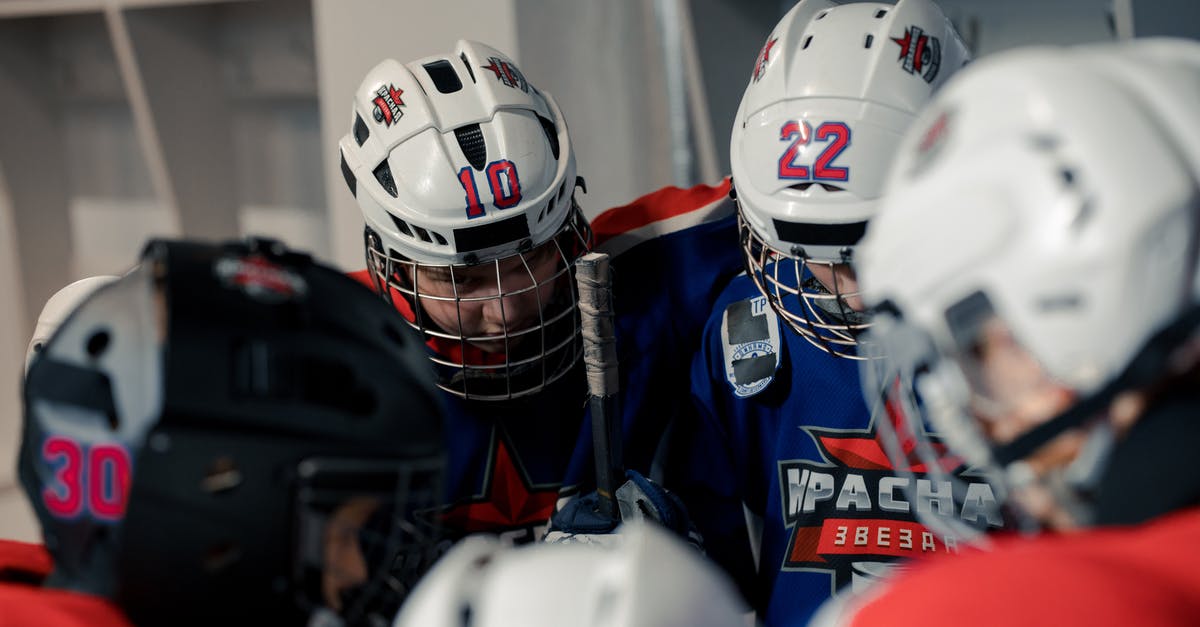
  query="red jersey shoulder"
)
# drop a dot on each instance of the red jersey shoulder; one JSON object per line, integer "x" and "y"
{"x": 362, "y": 276}
{"x": 1085, "y": 578}
{"x": 24, "y": 561}
{"x": 665, "y": 211}
{"x": 31, "y": 606}
{"x": 23, "y": 567}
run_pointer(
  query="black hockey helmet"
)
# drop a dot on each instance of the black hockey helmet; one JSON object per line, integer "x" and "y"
{"x": 234, "y": 431}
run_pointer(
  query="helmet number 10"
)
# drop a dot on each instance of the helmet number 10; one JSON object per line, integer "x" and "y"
{"x": 801, "y": 134}
{"x": 503, "y": 181}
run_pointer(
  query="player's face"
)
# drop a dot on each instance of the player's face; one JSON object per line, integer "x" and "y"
{"x": 839, "y": 278}
{"x": 490, "y": 299}
{"x": 1012, "y": 394}
{"x": 345, "y": 564}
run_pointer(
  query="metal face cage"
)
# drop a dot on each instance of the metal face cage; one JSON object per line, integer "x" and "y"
{"x": 498, "y": 329}
{"x": 819, "y": 314}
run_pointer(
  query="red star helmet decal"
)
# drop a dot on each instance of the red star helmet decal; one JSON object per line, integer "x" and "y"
{"x": 920, "y": 54}
{"x": 764, "y": 55}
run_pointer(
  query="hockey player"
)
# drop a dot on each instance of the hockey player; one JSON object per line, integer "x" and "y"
{"x": 220, "y": 436}
{"x": 465, "y": 174}
{"x": 782, "y": 427}
{"x": 641, "y": 576}
{"x": 1039, "y": 276}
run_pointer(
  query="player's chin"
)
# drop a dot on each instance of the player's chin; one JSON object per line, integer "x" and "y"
{"x": 501, "y": 345}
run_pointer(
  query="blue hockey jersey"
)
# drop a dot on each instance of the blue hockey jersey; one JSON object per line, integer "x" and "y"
{"x": 510, "y": 463}
{"x": 782, "y": 428}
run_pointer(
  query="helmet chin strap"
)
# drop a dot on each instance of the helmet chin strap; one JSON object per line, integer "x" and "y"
{"x": 1147, "y": 366}
{"x": 1074, "y": 487}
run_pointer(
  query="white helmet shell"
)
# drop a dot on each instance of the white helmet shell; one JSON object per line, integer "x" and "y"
{"x": 457, "y": 158}
{"x": 1076, "y": 216}
{"x": 834, "y": 89}
{"x": 647, "y": 578}
{"x": 61, "y": 305}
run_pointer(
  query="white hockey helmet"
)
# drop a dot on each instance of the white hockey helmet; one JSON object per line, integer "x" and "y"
{"x": 62, "y": 304}
{"x": 834, "y": 88}
{"x": 459, "y": 165}
{"x": 647, "y": 577}
{"x": 1073, "y": 225}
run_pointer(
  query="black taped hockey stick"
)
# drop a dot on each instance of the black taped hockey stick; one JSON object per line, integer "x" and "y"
{"x": 594, "y": 278}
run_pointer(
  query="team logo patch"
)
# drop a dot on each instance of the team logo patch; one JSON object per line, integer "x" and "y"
{"x": 764, "y": 55}
{"x": 750, "y": 332}
{"x": 387, "y": 104}
{"x": 260, "y": 279}
{"x": 850, "y": 510}
{"x": 507, "y": 73}
{"x": 920, "y": 54}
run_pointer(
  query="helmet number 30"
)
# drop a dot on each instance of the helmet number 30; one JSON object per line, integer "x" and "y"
{"x": 95, "y": 478}
{"x": 801, "y": 134}
{"x": 503, "y": 181}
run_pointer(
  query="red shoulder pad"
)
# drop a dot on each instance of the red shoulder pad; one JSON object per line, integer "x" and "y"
{"x": 666, "y": 203}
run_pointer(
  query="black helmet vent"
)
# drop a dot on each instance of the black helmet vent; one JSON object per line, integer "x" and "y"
{"x": 470, "y": 140}
{"x": 383, "y": 174}
{"x": 351, "y": 182}
{"x": 444, "y": 77}
{"x": 360, "y": 130}
{"x": 467, "y": 64}
{"x": 551, "y": 135}
{"x": 402, "y": 225}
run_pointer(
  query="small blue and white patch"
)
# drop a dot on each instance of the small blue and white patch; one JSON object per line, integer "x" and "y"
{"x": 751, "y": 341}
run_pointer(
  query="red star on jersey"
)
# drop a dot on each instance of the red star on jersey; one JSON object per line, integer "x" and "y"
{"x": 869, "y": 453}
{"x": 509, "y": 502}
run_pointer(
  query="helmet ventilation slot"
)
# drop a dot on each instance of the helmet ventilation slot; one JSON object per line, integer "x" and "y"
{"x": 470, "y": 141}
{"x": 361, "y": 133}
{"x": 383, "y": 174}
{"x": 443, "y": 76}
{"x": 348, "y": 174}
{"x": 551, "y": 135}
{"x": 467, "y": 65}
{"x": 403, "y": 226}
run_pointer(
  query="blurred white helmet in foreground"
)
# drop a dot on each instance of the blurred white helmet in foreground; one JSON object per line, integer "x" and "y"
{"x": 1040, "y": 227}
{"x": 646, "y": 578}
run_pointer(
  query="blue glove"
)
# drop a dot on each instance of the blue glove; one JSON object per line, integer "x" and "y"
{"x": 637, "y": 499}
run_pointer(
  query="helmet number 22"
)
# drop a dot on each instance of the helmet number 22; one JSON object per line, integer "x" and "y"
{"x": 801, "y": 134}
{"x": 503, "y": 181}
{"x": 104, "y": 468}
